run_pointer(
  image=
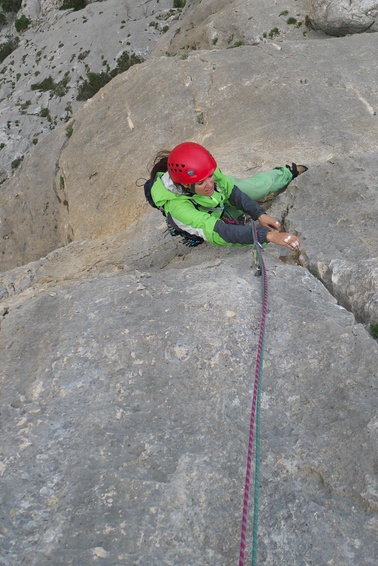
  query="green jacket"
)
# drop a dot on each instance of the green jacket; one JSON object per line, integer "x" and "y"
{"x": 202, "y": 215}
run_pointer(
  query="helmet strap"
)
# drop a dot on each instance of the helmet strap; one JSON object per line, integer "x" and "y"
{"x": 190, "y": 189}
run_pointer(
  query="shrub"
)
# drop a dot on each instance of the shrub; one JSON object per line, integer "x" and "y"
{"x": 16, "y": 162}
{"x": 3, "y": 19}
{"x": 179, "y": 3}
{"x": 10, "y": 5}
{"x": 92, "y": 85}
{"x": 95, "y": 81}
{"x": 7, "y": 48}
{"x": 236, "y": 44}
{"x": 127, "y": 60}
{"x": 22, "y": 23}
{"x": 374, "y": 330}
{"x": 58, "y": 89}
{"x": 46, "y": 84}
{"x": 273, "y": 32}
{"x": 76, "y": 5}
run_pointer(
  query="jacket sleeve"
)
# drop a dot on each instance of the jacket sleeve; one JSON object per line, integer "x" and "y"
{"x": 236, "y": 234}
{"x": 243, "y": 202}
{"x": 184, "y": 215}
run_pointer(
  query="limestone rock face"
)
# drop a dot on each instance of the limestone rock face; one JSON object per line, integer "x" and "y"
{"x": 36, "y": 9}
{"x": 221, "y": 24}
{"x": 127, "y": 371}
{"x": 127, "y": 360}
{"x": 341, "y": 222}
{"x": 42, "y": 77}
{"x": 342, "y": 17}
{"x": 233, "y": 101}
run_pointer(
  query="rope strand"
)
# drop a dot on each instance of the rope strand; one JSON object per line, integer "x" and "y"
{"x": 255, "y": 417}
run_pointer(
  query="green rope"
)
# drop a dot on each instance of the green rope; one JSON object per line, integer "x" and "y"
{"x": 255, "y": 416}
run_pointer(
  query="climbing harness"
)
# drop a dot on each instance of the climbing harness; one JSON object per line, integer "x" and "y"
{"x": 187, "y": 239}
{"x": 255, "y": 416}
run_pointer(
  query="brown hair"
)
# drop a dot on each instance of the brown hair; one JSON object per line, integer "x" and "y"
{"x": 160, "y": 164}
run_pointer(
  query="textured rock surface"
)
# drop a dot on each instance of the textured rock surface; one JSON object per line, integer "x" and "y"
{"x": 266, "y": 99}
{"x": 215, "y": 24}
{"x": 65, "y": 46}
{"x": 341, "y": 203}
{"x": 342, "y": 17}
{"x": 126, "y": 398}
{"x": 127, "y": 359}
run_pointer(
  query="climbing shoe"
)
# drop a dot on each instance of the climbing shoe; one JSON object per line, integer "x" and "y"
{"x": 296, "y": 170}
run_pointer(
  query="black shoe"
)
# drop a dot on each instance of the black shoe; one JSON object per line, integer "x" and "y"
{"x": 296, "y": 170}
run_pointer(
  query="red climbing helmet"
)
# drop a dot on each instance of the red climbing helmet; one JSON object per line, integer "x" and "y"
{"x": 190, "y": 163}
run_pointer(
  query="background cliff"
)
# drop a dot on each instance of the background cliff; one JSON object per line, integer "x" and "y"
{"x": 127, "y": 360}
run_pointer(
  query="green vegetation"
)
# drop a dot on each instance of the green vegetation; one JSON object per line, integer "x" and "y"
{"x": 236, "y": 44}
{"x": 16, "y": 162}
{"x": 374, "y": 330}
{"x": 69, "y": 131}
{"x": 22, "y": 23}
{"x": 96, "y": 81}
{"x": 284, "y": 13}
{"x": 3, "y": 19}
{"x": 46, "y": 84}
{"x": 7, "y": 48}
{"x": 76, "y": 5}
{"x": 273, "y": 33}
{"x": 57, "y": 89}
{"x": 179, "y": 3}
{"x": 92, "y": 85}
{"x": 291, "y": 21}
{"x": 10, "y": 5}
{"x": 83, "y": 55}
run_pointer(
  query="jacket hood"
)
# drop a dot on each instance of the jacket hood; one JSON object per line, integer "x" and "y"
{"x": 164, "y": 190}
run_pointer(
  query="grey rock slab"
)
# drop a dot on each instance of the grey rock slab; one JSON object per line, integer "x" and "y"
{"x": 33, "y": 207}
{"x": 343, "y": 17}
{"x": 215, "y": 24}
{"x": 255, "y": 107}
{"x": 125, "y": 416}
{"x": 334, "y": 209}
{"x": 265, "y": 100}
{"x": 65, "y": 45}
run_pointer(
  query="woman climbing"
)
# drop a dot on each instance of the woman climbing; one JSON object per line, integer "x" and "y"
{"x": 199, "y": 200}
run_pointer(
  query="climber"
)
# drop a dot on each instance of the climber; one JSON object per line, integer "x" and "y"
{"x": 199, "y": 200}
